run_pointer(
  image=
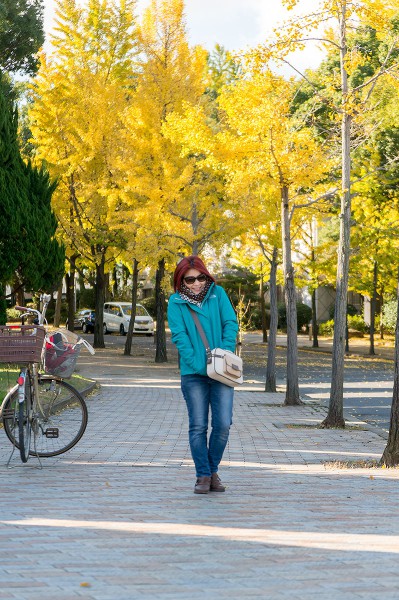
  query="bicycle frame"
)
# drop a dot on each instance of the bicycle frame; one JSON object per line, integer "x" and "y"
{"x": 41, "y": 317}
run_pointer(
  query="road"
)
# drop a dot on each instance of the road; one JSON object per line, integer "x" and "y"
{"x": 368, "y": 381}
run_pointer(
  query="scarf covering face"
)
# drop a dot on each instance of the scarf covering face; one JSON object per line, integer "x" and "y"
{"x": 186, "y": 294}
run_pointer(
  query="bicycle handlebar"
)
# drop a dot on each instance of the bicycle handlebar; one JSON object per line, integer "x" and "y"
{"x": 26, "y": 309}
{"x": 40, "y": 315}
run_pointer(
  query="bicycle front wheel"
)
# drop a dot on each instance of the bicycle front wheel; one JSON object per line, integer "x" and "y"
{"x": 24, "y": 418}
{"x": 59, "y": 418}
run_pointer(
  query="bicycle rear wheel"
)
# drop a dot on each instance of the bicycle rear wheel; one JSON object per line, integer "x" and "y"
{"x": 59, "y": 419}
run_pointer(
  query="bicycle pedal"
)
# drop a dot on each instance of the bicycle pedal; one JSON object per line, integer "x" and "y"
{"x": 52, "y": 432}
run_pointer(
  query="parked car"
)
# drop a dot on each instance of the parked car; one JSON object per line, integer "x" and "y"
{"x": 80, "y": 317}
{"x": 88, "y": 323}
{"x": 117, "y": 317}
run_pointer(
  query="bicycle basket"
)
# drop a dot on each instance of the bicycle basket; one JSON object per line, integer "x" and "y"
{"x": 21, "y": 343}
{"x": 61, "y": 351}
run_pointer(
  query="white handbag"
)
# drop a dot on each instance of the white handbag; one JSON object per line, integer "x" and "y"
{"x": 222, "y": 365}
{"x": 225, "y": 366}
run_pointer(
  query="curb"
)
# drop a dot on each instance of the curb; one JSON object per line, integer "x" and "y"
{"x": 351, "y": 419}
{"x": 89, "y": 388}
{"x": 319, "y": 350}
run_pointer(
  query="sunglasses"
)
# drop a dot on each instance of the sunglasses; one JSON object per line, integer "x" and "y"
{"x": 190, "y": 280}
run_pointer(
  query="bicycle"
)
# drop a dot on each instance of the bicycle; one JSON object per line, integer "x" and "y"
{"x": 42, "y": 406}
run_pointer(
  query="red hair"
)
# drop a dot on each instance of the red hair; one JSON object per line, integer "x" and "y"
{"x": 189, "y": 262}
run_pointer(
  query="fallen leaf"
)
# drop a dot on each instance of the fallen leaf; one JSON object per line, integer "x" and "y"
{"x": 85, "y": 584}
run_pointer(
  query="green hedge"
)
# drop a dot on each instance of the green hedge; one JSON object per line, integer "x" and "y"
{"x": 355, "y": 322}
{"x": 150, "y": 305}
{"x": 303, "y": 311}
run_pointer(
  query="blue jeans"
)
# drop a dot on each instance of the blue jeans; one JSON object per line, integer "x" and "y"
{"x": 201, "y": 393}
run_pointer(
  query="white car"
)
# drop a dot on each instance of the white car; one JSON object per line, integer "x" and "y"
{"x": 117, "y": 317}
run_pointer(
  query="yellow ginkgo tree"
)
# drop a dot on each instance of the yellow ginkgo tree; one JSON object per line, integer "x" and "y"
{"x": 79, "y": 96}
{"x": 259, "y": 250}
{"x": 179, "y": 198}
{"x": 271, "y": 144}
{"x": 260, "y": 143}
{"x": 347, "y": 99}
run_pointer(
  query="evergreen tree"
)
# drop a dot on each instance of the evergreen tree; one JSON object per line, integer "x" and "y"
{"x": 28, "y": 249}
{"x": 13, "y": 198}
{"x": 79, "y": 96}
{"x": 21, "y": 34}
{"x": 43, "y": 266}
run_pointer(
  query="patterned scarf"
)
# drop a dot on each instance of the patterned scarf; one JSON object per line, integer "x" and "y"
{"x": 186, "y": 294}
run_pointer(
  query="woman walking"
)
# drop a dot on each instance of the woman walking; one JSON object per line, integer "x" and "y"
{"x": 195, "y": 289}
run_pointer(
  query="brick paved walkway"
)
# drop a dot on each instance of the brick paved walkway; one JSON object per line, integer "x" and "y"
{"x": 116, "y": 519}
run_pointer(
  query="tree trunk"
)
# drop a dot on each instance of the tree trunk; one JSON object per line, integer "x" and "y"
{"x": 58, "y": 303}
{"x": 160, "y": 353}
{"x": 114, "y": 283}
{"x": 129, "y": 337}
{"x": 292, "y": 392}
{"x": 381, "y": 314}
{"x": 270, "y": 385}
{"x": 70, "y": 292}
{"x": 335, "y": 416}
{"x": 315, "y": 327}
{"x": 81, "y": 282}
{"x": 99, "y": 297}
{"x": 20, "y": 293}
{"x": 263, "y": 311}
{"x": 373, "y": 307}
{"x": 390, "y": 457}
{"x": 3, "y": 306}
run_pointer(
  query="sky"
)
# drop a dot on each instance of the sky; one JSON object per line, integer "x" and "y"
{"x": 234, "y": 24}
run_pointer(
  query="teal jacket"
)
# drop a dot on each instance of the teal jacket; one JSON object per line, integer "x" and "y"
{"x": 218, "y": 319}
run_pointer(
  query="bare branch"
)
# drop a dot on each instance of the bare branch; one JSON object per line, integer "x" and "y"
{"x": 327, "y": 196}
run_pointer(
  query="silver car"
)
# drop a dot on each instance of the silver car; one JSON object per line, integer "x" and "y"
{"x": 117, "y": 317}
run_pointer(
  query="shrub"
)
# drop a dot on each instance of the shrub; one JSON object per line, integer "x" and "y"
{"x": 255, "y": 317}
{"x": 13, "y": 315}
{"x": 389, "y": 311}
{"x": 86, "y": 298}
{"x": 350, "y": 310}
{"x": 304, "y": 315}
{"x": 51, "y": 311}
{"x": 150, "y": 305}
{"x": 326, "y": 328}
{"x": 303, "y": 311}
{"x": 357, "y": 323}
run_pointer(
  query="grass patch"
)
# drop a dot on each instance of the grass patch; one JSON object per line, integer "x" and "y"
{"x": 8, "y": 378}
{"x": 267, "y": 404}
{"x": 354, "y": 464}
{"x": 318, "y": 426}
{"x": 79, "y": 382}
{"x": 9, "y": 375}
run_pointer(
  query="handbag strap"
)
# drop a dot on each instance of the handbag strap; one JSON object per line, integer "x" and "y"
{"x": 202, "y": 334}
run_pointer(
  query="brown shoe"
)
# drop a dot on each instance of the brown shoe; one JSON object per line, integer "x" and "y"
{"x": 202, "y": 485}
{"x": 216, "y": 484}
